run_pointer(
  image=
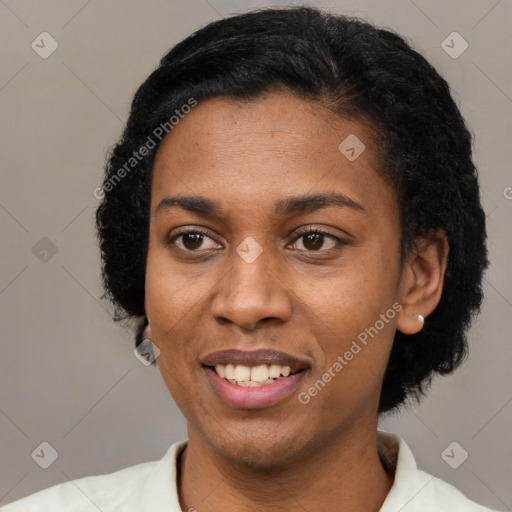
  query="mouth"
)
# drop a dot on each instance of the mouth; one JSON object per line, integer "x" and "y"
{"x": 250, "y": 388}
{"x": 253, "y": 379}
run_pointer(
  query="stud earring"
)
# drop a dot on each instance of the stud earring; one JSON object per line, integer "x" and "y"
{"x": 422, "y": 320}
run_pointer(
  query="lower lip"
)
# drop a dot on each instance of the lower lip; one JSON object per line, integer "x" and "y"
{"x": 253, "y": 397}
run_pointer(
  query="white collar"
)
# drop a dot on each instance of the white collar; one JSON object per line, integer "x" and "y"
{"x": 412, "y": 491}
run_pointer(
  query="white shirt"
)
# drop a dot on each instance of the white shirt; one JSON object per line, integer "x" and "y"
{"x": 152, "y": 487}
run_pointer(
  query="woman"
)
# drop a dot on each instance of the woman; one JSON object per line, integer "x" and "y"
{"x": 293, "y": 214}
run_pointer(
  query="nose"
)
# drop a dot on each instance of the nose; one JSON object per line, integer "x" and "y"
{"x": 251, "y": 293}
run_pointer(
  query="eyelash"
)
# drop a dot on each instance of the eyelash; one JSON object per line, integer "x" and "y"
{"x": 339, "y": 241}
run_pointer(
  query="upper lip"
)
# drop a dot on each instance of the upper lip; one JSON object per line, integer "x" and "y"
{"x": 254, "y": 358}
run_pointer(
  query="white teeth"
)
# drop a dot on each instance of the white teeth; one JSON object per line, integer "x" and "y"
{"x": 242, "y": 373}
{"x": 219, "y": 368}
{"x": 259, "y": 373}
{"x": 275, "y": 371}
{"x": 229, "y": 371}
{"x": 247, "y": 383}
{"x": 252, "y": 376}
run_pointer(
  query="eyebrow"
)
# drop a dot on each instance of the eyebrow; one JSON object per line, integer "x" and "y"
{"x": 283, "y": 208}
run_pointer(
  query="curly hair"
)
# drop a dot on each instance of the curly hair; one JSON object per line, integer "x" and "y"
{"x": 359, "y": 70}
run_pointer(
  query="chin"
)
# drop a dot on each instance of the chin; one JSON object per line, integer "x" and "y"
{"x": 257, "y": 447}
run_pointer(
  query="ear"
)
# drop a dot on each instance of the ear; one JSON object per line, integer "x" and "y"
{"x": 421, "y": 282}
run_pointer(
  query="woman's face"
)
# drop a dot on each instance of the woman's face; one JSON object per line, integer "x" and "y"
{"x": 255, "y": 280}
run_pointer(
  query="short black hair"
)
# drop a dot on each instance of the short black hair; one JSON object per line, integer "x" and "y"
{"x": 361, "y": 71}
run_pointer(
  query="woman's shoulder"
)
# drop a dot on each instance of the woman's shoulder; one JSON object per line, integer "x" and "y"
{"x": 446, "y": 496}
{"x": 414, "y": 490}
{"x": 131, "y": 488}
{"x": 88, "y": 493}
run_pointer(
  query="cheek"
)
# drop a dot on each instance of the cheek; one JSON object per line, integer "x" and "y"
{"x": 354, "y": 296}
{"x": 168, "y": 296}
{"x": 355, "y": 316}
{"x": 176, "y": 306}
{"x": 167, "y": 306}
{"x": 170, "y": 308}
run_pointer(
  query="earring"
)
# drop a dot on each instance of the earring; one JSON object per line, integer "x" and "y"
{"x": 422, "y": 320}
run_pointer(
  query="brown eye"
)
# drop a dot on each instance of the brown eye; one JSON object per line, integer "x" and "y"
{"x": 314, "y": 240}
{"x": 191, "y": 241}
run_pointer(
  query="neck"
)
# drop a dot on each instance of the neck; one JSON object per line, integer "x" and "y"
{"x": 343, "y": 473}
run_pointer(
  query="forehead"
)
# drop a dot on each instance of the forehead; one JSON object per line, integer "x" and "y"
{"x": 275, "y": 146}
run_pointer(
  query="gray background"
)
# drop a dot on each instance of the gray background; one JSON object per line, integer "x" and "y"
{"x": 69, "y": 376}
